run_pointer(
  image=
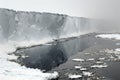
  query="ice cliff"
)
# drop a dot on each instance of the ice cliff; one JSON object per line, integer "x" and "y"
{"x": 26, "y": 26}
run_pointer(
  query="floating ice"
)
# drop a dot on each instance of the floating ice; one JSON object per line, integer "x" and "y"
{"x": 78, "y": 60}
{"x": 111, "y": 57}
{"x": 109, "y": 36}
{"x": 103, "y": 58}
{"x": 90, "y": 59}
{"x": 78, "y": 67}
{"x": 85, "y": 73}
{"x": 118, "y": 49}
{"x": 99, "y": 66}
{"x": 87, "y": 53}
{"x": 74, "y": 76}
{"x": 83, "y": 69}
{"x": 99, "y": 62}
{"x": 109, "y": 51}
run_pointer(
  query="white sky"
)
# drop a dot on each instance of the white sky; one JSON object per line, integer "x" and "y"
{"x": 70, "y": 7}
{"x": 85, "y": 8}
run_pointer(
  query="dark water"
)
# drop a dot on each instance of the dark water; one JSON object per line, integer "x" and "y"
{"x": 49, "y": 56}
{"x": 112, "y": 72}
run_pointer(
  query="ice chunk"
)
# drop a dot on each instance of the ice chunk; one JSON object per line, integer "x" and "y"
{"x": 83, "y": 69}
{"x": 99, "y": 66}
{"x": 86, "y": 53}
{"x": 99, "y": 62}
{"x": 85, "y": 73}
{"x": 78, "y": 60}
{"x": 78, "y": 67}
{"x": 103, "y": 58}
{"x": 118, "y": 49}
{"x": 74, "y": 76}
{"x": 90, "y": 59}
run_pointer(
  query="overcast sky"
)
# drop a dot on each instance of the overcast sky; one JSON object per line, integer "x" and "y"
{"x": 109, "y": 9}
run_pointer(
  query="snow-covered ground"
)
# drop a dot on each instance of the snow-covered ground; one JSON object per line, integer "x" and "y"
{"x": 13, "y": 71}
{"x": 109, "y": 36}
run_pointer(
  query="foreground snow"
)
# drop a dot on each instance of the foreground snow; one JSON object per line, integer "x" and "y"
{"x": 109, "y": 36}
{"x": 13, "y": 71}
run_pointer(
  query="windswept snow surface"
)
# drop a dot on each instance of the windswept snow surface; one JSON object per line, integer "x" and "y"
{"x": 109, "y": 36}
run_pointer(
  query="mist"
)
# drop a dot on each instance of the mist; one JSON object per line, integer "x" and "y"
{"x": 107, "y": 12}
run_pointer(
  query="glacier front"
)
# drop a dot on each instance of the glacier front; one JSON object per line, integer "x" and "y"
{"x": 24, "y": 29}
{"x": 26, "y": 26}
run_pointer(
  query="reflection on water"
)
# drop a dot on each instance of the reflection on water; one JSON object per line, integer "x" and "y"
{"x": 47, "y": 57}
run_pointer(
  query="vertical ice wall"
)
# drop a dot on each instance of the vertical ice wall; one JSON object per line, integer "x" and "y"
{"x": 20, "y": 26}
